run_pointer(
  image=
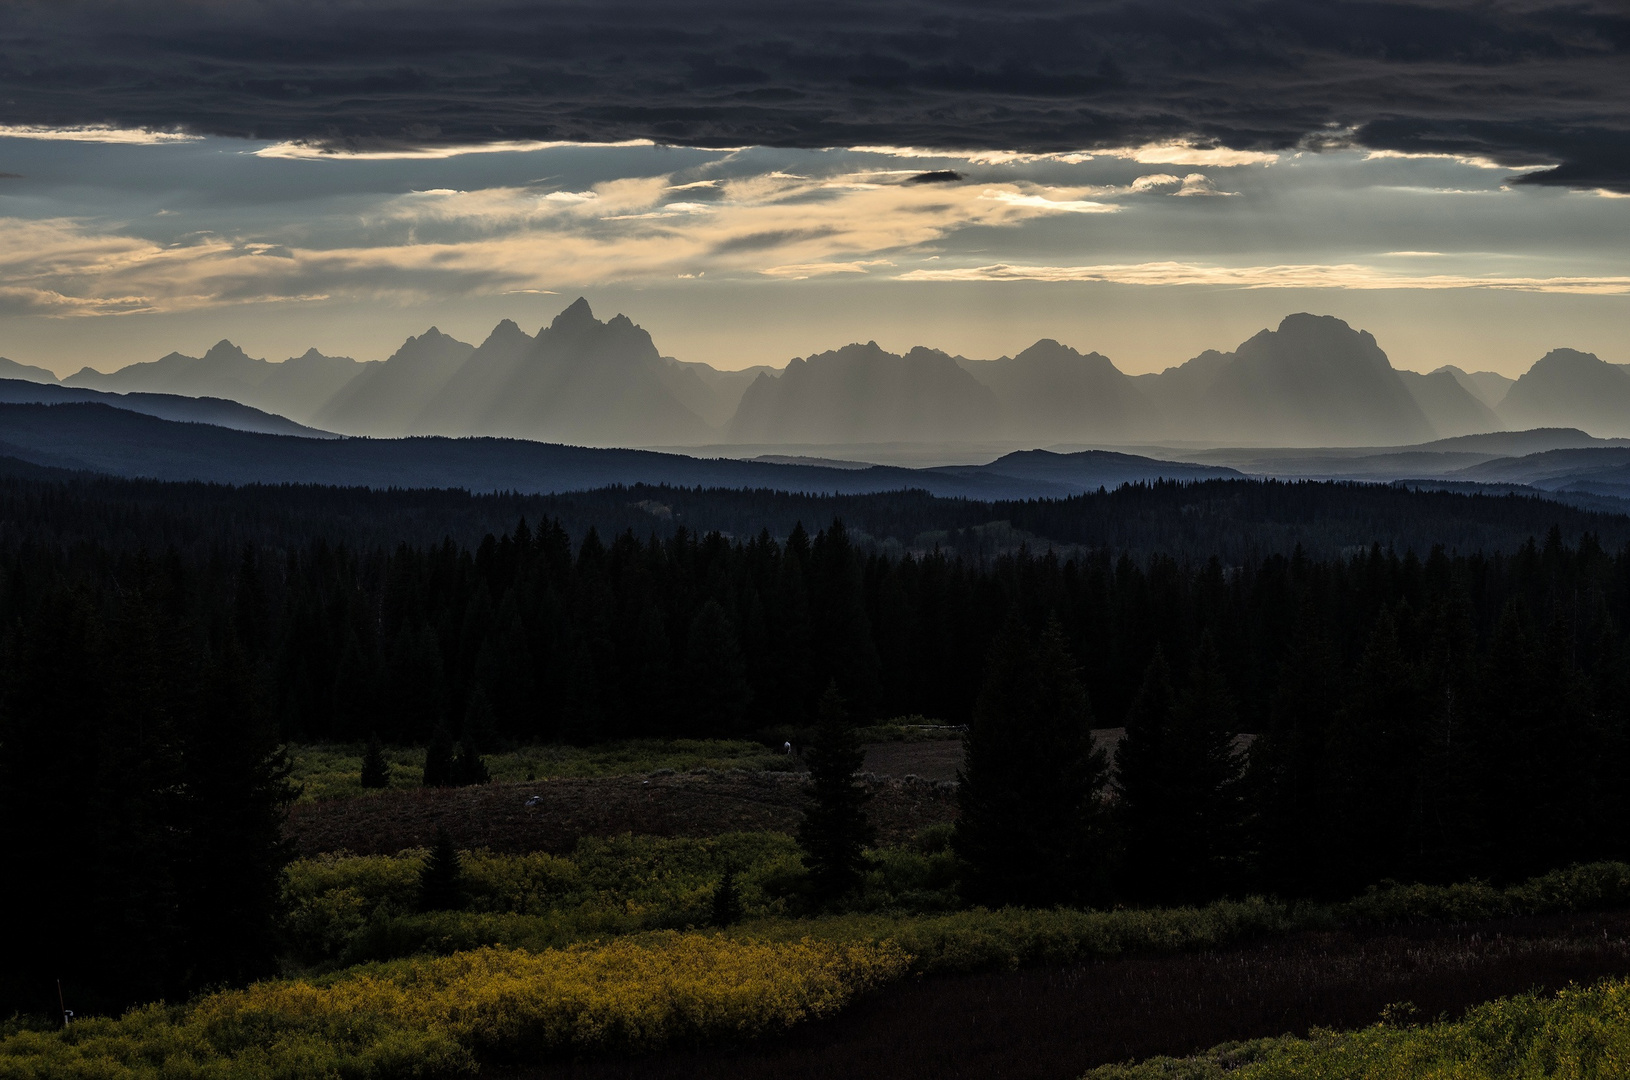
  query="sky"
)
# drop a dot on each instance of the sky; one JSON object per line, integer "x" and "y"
{"x": 753, "y": 182}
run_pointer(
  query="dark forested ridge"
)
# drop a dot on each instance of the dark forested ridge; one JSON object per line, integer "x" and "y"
{"x": 1235, "y": 520}
{"x": 1439, "y": 684}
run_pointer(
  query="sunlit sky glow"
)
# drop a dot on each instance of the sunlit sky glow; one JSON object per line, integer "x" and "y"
{"x": 117, "y": 246}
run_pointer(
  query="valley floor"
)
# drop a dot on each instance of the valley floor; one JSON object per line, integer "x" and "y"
{"x": 1054, "y": 1023}
{"x": 551, "y": 815}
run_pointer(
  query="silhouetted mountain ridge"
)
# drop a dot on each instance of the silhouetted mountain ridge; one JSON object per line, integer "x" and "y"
{"x": 1311, "y": 381}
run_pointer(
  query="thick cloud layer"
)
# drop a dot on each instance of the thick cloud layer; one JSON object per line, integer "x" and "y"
{"x": 1520, "y": 81}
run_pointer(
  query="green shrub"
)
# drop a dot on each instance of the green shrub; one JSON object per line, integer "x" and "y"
{"x": 441, "y": 1016}
{"x": 1578, "y": 1034}
{"x": 344, "y": 909}
{"x": 1591, "y": 887}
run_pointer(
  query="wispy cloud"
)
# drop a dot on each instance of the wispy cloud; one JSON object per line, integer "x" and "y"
{"x": 1303, "y": 276}
{"x": 125, "y": 136}
{"x": 309, "y": 151}
{"x": 1175, "y": 152}
{"x": 444, "y": 241}
{"x": 1166, "y": 152}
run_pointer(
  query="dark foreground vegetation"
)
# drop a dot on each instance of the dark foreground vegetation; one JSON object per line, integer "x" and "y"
{"x": 1053, "y": 1023}
{"x": 1302, "y": 720}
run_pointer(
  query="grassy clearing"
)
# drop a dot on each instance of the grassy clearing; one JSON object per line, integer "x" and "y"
{"x": 561, "y": 955}
{"x": 433, "y": 1017}
{"x": 1577, "y": 1034}
{"x": 351, "y": 909}
{"x": 334, "y": 770}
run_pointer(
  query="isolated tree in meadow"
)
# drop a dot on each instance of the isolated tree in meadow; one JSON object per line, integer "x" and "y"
{"x": 438, "y": 759}
{"x": 375, "y": 771}
{"x": 835, "y": 830}
{"x": 726, "y": 910}
{"x": 441, "y": 879}
{"x": 1032, "y": 825}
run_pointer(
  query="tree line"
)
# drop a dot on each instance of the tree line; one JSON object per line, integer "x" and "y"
{"x": 1427, "y": 716}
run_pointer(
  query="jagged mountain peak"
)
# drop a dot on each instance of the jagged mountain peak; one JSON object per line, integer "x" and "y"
{"x": 226, "y": 350}
{"x": 1050, "y": 350}
{"x": 507, "y": 332}
{"x": 1569, "y": 388}
{"x": 1319, "y": 338}
{"x": 1569, "y": 358}
{"x": 576, "y": 314}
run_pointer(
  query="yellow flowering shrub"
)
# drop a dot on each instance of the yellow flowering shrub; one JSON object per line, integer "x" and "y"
{"x": 442, "y": 1015}
{"x": 1578, "y": 1034}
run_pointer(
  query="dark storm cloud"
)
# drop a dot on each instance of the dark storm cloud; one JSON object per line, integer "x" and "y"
{"x": 1521, "y": 81}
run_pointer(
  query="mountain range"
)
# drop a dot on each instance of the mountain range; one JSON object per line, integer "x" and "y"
{"x": 1312, "y": 381}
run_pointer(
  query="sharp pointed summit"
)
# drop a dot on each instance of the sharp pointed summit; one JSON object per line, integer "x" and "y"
{"x": 576, "y": 314}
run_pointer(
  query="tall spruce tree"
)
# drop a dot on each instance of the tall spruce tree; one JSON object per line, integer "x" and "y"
{"x": 726, "y": 908}
{"x": 237, "y": 791}
{"x": 438, "y": 759}
{"x": 468, "y": 767}
{"x": 718, "y": 690}
{"x": 835, "y": 830}
{"x": 1377, "y": 751}
{"x": 441, "y": 879}
{"x": 375, "y": 771}
{"x": 1143, "y": 802}
{"x": 1182, "y": 804}
{"x": 1287, "y": 779}
{"x": 1032, "y": 827}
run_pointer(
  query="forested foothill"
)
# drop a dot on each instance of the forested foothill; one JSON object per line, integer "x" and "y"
{"x": 1314, "y": 693}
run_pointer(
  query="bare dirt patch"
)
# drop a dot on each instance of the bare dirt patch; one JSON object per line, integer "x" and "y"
{"x": 498, "y": 817}
{"x": 938, "y": 759}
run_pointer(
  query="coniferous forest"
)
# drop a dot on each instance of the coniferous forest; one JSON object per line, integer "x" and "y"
{"x": 1306, "y": 714}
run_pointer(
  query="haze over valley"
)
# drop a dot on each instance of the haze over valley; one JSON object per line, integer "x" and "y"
{"x": 1312, "y": 381}
{"x": 864, "y": 539}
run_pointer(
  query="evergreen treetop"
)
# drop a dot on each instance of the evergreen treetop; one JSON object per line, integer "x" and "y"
{"x": 1032, "y": 829}
{"x": 375, "y": 770}
{"x": 835, "y": 830}
{"x": 441, "y": 880}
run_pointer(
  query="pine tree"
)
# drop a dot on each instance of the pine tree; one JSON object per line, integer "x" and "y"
{"x": 1203, "y": 783}
{"x": 726, "y": 901}
{"x": 467, "y": 767}
{"x": 477, "y": 735}
{"x": 438, "y": 759}
{"x": 1144, "y": 803}
{"x": 1032, "y": 825}
{"x": 835, "y": 831}
{"x": 1287, "y": 778}
{"x": 1376, "y": 751}
{"x": 375, "y": 772}
{"x": 441, "y": 881}
{"x": 237, "y": 792}
{"x": 480, "y": 726}
{"x": 719, "y": 691}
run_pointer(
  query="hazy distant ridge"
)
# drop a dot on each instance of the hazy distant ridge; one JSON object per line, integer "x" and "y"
{"x": 1312, "y": 381}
